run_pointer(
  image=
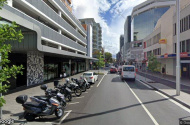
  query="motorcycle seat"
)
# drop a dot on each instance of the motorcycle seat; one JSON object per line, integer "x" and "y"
{"x": 44, "y": 98}
{"x": 32, "y": 104}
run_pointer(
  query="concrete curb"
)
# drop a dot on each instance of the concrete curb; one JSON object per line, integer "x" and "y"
{"x": 182, "y": 103}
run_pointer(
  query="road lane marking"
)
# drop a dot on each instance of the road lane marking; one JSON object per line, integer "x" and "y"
{"x": 80, "y": 97}
{"x": 68, "y": 112}
{"x": 177, "y": 103}
{"x": 73, "y": 103}
{"x": 149, "y": 114}
{"x": 166, "y": 97}
{"x": 145, "y": 84}
{"x": 101, "y": 80}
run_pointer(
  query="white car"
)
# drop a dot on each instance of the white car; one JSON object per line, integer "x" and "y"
{"x": 128, "y": 72}
{"x": 90, "y": 76}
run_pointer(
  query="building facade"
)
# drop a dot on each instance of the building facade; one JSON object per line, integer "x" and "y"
{"x": 127, "y": 37}
{"x": 144, "y": 18}
{"x": 162, "y": 41}
{"x": 96, "y": 33}
{"x": 54, "y": 40}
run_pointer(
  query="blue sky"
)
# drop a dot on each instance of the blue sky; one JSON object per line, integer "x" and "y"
{"x": 111, "y": 15}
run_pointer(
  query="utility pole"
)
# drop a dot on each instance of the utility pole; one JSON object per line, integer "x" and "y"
{"x": 178, "y": 67}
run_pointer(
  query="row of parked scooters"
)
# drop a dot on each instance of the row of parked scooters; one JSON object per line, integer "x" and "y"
{"x": 54, "y": 101}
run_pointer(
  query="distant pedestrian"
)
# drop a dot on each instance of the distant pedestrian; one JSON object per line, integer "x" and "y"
{"x": 163, "y": 71}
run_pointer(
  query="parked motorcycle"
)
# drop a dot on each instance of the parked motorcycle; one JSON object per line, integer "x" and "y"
{"x": 74, "y": 87}
{"x": 64, "y": 90}
{"x": 80, "y": 83}
{"x": 54, "y": 93}
{"x": 37, "y": 107}
{"x": 86, "y": 82}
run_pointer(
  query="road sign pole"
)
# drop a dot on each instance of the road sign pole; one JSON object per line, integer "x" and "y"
{"x": 1, "y": 113}
{"x": 178, "y": 67}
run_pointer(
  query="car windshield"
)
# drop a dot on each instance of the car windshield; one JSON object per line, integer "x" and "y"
{"x": 87, "y": 74}
{"x": 130, "y": 69}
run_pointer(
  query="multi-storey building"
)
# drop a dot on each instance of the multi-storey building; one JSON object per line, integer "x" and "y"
{"x": 121, "y": 47}
{"x": 162, "y": 41}
{"x": 127, "y": 37}
{"x": 54, "y": 40}
{"x": 144, "y": 18}
{"x": 96, "y": 33}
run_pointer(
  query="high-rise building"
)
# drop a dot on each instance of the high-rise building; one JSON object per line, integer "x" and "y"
{"x": 54, "y": 40}
{"x": 145, "y": 16}
{"x": 127, "y": 36}
{"x": 96, "y": 33}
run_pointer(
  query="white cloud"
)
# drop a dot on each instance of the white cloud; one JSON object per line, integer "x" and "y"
{"x": 111, "y": 33}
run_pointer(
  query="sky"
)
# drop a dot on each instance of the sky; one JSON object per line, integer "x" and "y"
{"x": 111, "y": 14}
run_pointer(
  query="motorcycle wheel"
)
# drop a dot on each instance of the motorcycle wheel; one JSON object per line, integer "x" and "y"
{"x": 88, "y": 86}
{"x": 63, "y": 103}
{"x": 78, "y": 92}
{"x": 59, "y": 112}
{"x": 83, "y": 88}
{"x": 29, "y": 117}
{"x": 69, "y": 97}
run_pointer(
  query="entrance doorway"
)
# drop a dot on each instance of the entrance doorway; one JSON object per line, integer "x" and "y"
{"x": 22, "y": 79}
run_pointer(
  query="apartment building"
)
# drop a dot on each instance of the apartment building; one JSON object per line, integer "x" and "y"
{"x": 54, "y": 41}
{"x": 96, "y": 33}
{"x": 162, "y": 41}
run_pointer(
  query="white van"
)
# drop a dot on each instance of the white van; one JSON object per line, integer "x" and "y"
{"x": 128, "y": 72}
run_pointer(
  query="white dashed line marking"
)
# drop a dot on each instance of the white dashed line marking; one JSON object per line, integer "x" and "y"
{"x": 73, "y": 103}
{"x": 146, "y": 110}
{"x": 101, "y": 80}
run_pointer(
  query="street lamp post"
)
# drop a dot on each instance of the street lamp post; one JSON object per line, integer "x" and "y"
{"x": 178, "y": 67}
{"x": 1, "y": 113}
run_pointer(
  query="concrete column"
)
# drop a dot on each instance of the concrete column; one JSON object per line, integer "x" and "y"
{"x": 10, "y": 2}
{"x": 76, "y": 52}
{"x": 59, "y": 12}
{"x": 59, "y": 47}
{"x": 59, "y": 30}
{"x": 35, "y": 68}
{"x": 76, "y": 41}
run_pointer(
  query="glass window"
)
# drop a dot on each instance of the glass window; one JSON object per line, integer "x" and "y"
{"x": 180, "y": 26}
{"x": 130, "y": 69}
{"x": 189, "y": 21}
{"x": 144, "y": 23}
{"x": 186, "y": 24}
{"x": 188, "y": 45}
{"x": 87, "y": 74}
{"x": 175, "y": 49}
{"x": 183, "y": 46}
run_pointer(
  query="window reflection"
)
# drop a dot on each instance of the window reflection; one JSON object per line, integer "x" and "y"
{"x": 144, "y": 23}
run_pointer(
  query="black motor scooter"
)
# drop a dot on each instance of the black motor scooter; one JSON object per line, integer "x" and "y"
{"x": 63, "y": 90}
{"x": 37, "y": 107}
{"x": 74, "y": 87}
{"x": 54, "y": 93}
{"x": 80, "y": 83}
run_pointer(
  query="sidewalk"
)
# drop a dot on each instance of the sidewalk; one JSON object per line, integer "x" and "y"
{"x": 14, "y": 110}
{"x": 183, "y": 99}
{"x": 184, "y": 81}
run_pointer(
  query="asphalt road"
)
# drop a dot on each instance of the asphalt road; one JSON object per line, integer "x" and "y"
{"x": 115, "y": 102}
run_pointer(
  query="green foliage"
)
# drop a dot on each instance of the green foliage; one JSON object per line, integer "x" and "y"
{"x": 108, "y": 57}
{"x": 8, "y": 32}
{"x": 153, "y": 64}
{"x": 101, "y": 62}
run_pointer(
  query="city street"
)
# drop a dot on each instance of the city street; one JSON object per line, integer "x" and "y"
{"x": 115, "y": 102}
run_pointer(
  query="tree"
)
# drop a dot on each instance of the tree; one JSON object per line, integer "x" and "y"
{"x": 108, "y": 57}
{"x": 8, "y": 32}
{"x": 153, "y": 64}
{"x": 101, "y": 62}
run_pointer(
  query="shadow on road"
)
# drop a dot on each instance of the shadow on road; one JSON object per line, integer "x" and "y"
{"x": 109, "y": 111}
